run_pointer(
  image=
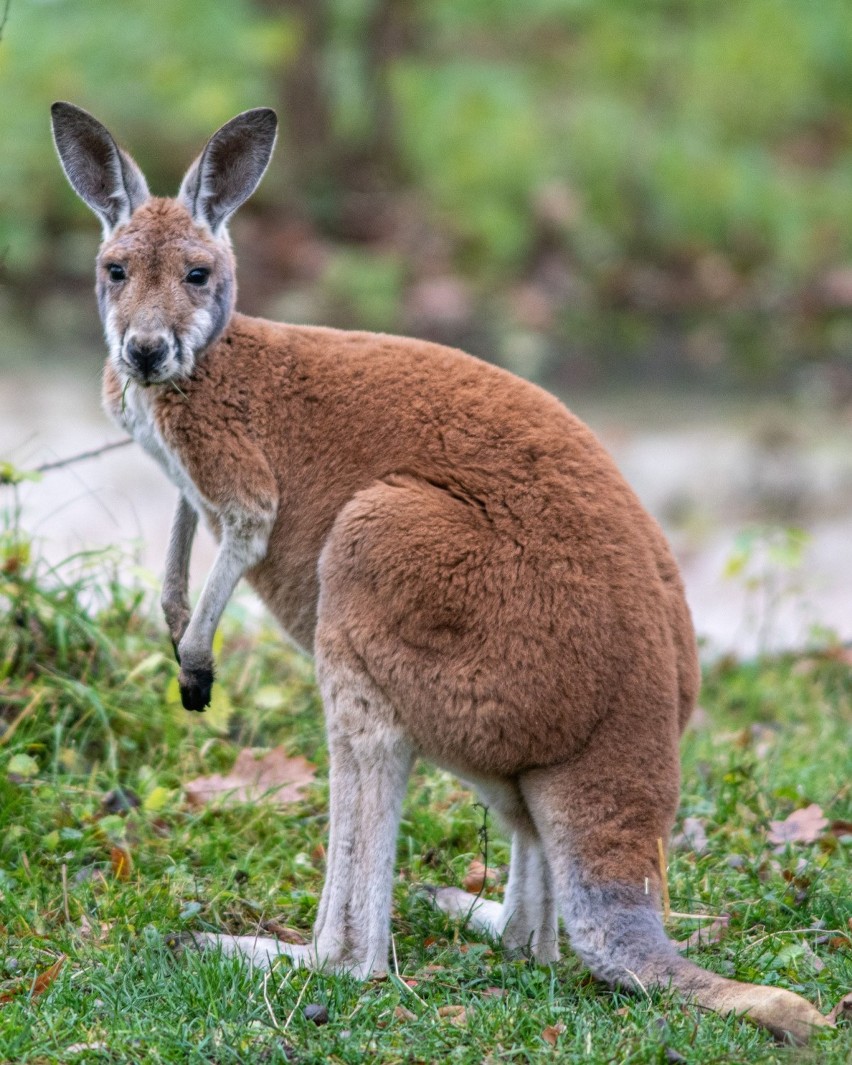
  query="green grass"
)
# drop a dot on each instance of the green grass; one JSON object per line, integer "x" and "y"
{"x": 86, "y": 673}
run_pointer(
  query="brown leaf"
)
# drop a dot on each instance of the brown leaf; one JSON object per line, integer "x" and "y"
{"x": 705, "y": 934}
{"x": 453, "y": 1014}
{"x": 402, "y": 1014}
{"x": 552, "y": 1033}
{"x": 692, "y": 837}
{"x": 256, "y": 774}
{"x": 97, "y": 932}
{"x": 283, "y": 933}
{"x": 817, "y": 964}
{"x": 841, "y": 828}
{"x": 121, "y": 862}
{"x": 842, "y": 1011}
{"x": 35, "y": 987}
{"x": 464, "y": 948}
{"x": 802, "y": 826}
{"x": 494, "y": 992}
{"x": 477, "y": 876}
{"x": 449, "y": 1011}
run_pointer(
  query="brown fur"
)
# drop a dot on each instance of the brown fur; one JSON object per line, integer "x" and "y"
{"x": 484, "y": 527}
{"x": 479, "y": 586}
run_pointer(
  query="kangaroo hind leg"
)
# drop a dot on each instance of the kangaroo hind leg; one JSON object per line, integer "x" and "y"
{"x": 600, "y": 817}
{"x": 526, "y": 921}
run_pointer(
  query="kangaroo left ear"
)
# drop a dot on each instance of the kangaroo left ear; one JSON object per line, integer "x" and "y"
{"x": 230, "y": 168}
{"x": 102, "y": 175}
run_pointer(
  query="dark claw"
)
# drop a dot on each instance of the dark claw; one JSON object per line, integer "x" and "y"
{"x": 176, "y": 651}
{"x": 195, "y": 689}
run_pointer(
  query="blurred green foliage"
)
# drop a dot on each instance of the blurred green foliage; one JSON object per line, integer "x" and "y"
{"x": 647, "y": 156}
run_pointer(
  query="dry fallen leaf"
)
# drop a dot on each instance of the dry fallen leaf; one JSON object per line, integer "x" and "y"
{"x": 842, "y": 1011}
{"x": 402, "y": 1014}
{"x": 96, "y": 932}
{"x": 256, "y": 774}
{"x": 817, "y": 964}
{"x": 552, "y": 1033}
{"x": 705, "y": 934}
{"x": 802, "y": 826}
{"x": 454, "y": 1014}
{"x": 35, "y": 987}
{"x": 121, "y": 862}
{"x": 692, "y": 837}
{"x": 477, "y": 876}
{"x": 283, "y": 933}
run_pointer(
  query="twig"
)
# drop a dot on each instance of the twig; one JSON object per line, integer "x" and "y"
{"x": 664, "y": 879}
{"x": 27, "y": 710}
{"x": 483, "y": 838}
{"x": 47, "y": 466}
{"x": 5, "y": 17}
{"x": 298, "y": 1000}
{"x": 65, "y": 893}
{"x": 266, "y": 999}
{"x": 696, "y": 916}
{"x": 402, "y": 983}
{"x": 639, "y": 982}
{"x": 789, "y": 932}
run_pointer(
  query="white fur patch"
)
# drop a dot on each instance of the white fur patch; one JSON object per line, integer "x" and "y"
{"x": 195, "y": 338}
{"x": 138, "y": 419}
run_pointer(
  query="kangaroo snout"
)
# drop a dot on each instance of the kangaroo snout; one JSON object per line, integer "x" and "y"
{"x": 147, "y": 354}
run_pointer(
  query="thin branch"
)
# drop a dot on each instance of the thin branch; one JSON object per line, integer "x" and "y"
{"x": 4, "y": 18}
{"x": 47, "y": 466}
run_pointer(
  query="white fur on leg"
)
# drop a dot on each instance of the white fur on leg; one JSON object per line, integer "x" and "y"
{"x": 532, "y": 920}
{"x": 370, "y": 763}
{"x": 482, "y": 915}
{"x": 259, "y": 951}
{"x": 527, "y": 920}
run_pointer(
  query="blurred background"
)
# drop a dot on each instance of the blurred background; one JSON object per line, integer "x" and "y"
{"x": 644, "y": 205}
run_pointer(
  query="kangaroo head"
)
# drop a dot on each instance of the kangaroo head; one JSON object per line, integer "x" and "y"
{"x": 165, "y": 271}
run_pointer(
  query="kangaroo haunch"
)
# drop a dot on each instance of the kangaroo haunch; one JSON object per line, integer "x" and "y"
{"x": 477, "y": 583}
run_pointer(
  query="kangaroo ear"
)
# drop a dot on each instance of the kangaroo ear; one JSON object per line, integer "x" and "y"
{"x": 230, "y": 168}
{"x": 101, "y": 174}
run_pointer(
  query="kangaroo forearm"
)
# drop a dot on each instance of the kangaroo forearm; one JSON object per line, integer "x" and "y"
{"x": 174, "y": 598}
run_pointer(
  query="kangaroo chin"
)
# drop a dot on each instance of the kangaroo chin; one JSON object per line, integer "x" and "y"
{"x": 477, "y": 583}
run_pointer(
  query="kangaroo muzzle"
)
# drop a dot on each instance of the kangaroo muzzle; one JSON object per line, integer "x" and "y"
{"x": 147, "y": 355}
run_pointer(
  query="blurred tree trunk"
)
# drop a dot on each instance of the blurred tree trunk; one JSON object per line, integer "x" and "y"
{"x": 393, "y": 30}
{"x": 344, "y": 185}
{"x": 304, "y": 97}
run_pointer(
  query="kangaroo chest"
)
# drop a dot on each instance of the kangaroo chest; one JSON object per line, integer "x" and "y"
{"x": 137, "y": 418}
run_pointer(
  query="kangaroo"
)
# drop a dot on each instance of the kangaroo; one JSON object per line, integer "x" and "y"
{"x": 475, "y": 580}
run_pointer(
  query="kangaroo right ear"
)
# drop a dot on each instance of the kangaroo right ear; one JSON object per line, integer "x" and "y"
{"x": 230, "y": 168}
{"x": 101, "y": 174}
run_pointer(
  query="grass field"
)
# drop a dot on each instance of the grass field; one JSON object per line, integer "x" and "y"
{"x": 88, "y": 705}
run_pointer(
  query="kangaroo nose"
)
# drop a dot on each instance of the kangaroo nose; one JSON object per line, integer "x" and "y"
{"x": 146, "y": 353}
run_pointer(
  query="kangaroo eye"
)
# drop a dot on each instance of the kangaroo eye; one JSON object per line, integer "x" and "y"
{"x": 198, "y": 275}
{"x": 116, "y": 272}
